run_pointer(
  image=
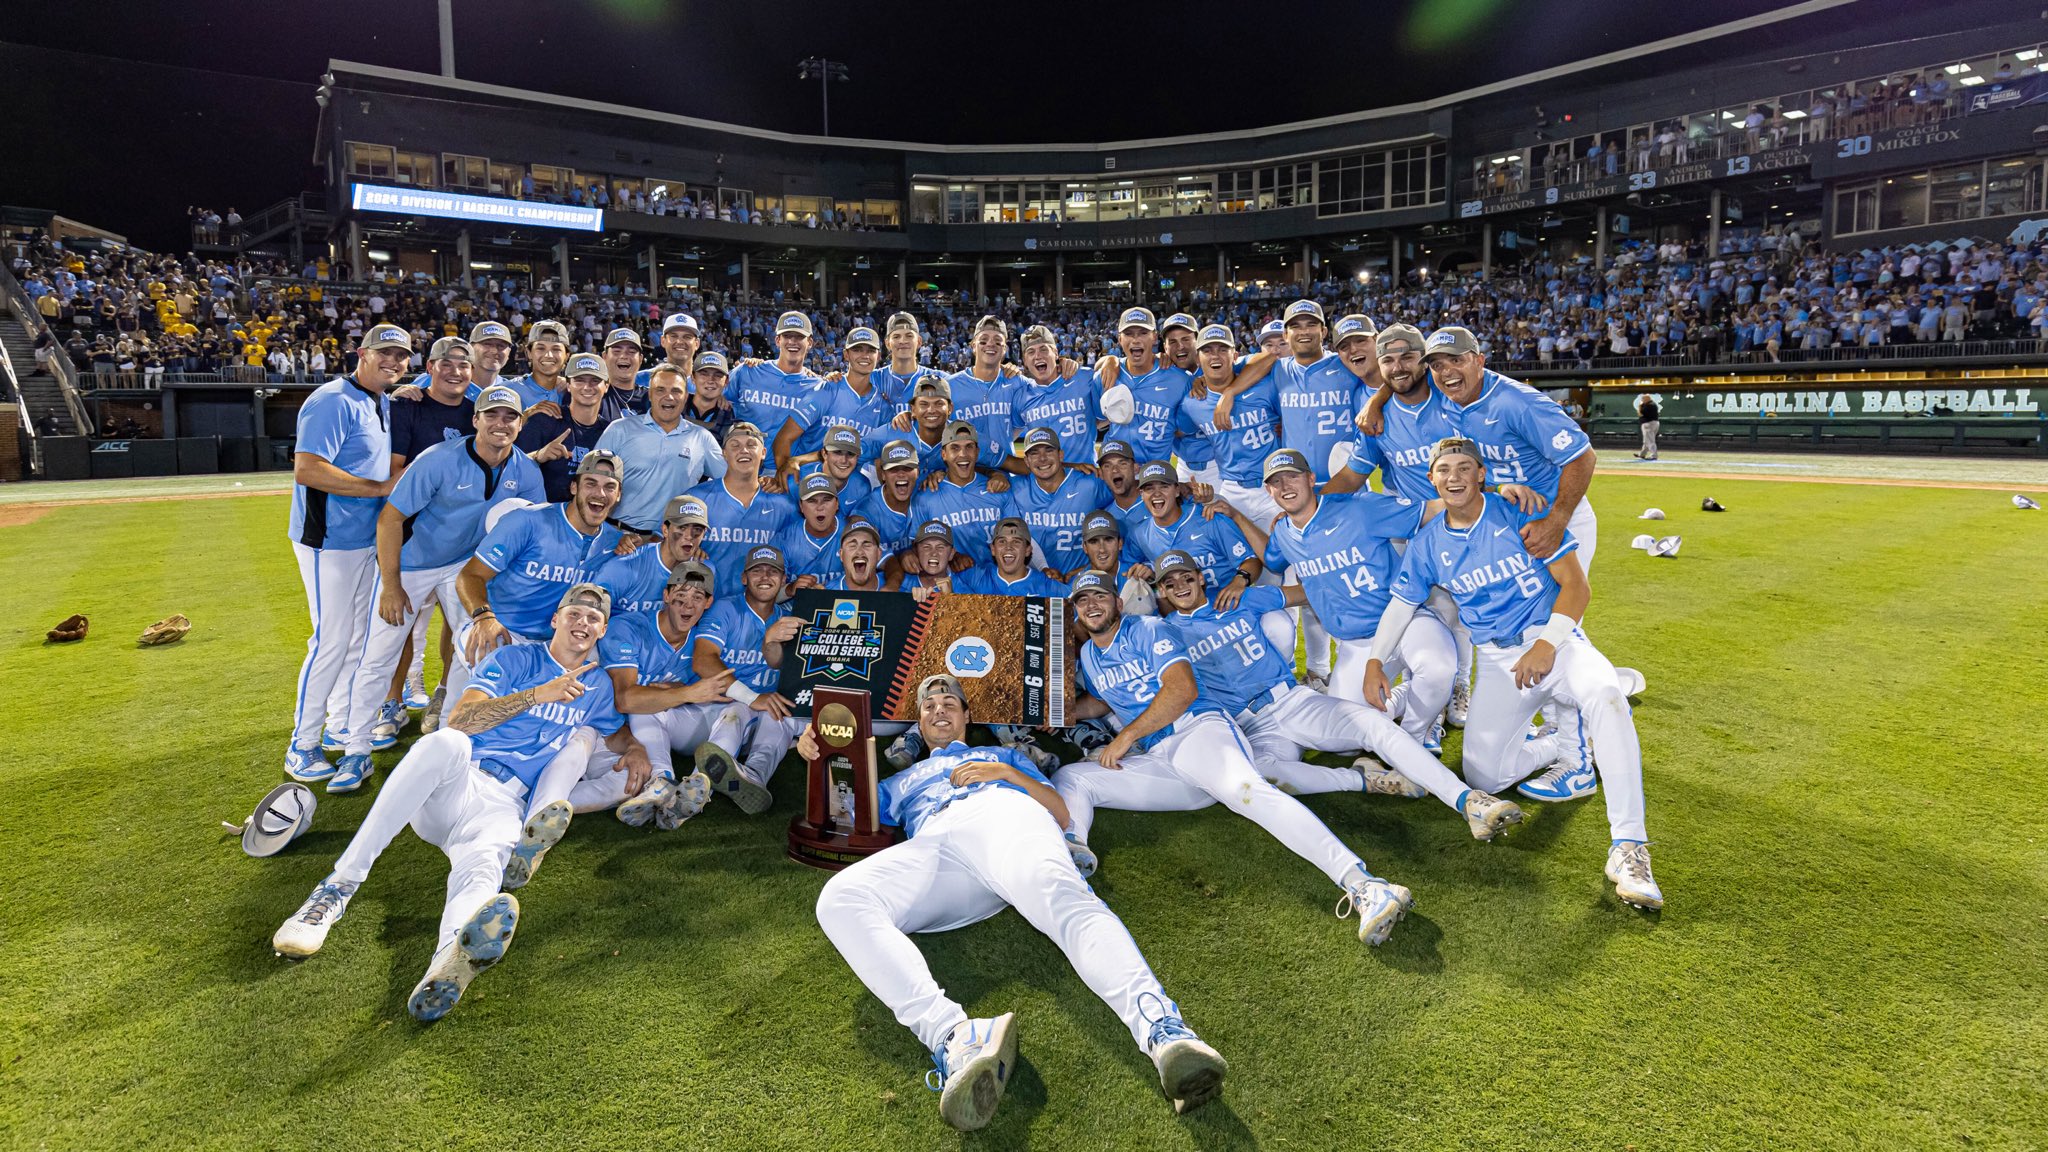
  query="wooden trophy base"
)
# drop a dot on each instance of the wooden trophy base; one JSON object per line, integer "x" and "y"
{"x": 834, "y": 846}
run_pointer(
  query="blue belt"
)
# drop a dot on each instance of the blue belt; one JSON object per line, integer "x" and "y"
{"x": 499, "y": 772}
{"x": 1265, "y": 700}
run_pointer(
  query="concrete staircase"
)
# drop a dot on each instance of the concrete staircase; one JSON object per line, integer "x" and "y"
{"x": 40, "y": 393}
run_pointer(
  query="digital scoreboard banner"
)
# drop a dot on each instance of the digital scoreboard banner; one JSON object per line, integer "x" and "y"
{"x": 1008, "y": 652}
{"x": 468, "y": 206}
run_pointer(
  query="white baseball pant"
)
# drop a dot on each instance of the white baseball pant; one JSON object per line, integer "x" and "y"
{"x": 755, "y": 739}
{"x": 450, "y": 803}
{"x": 338, "y": 582}
{"x": 1203, "y": 760}
{"x": 1304, "y": 718}
{"x": 1497, "y": 755}
{"x": 1572, "y": 742}
{"x": 422, "y": 635}
{"x": 585, "y": 773}
{"x": 1257, "y": 507}
{"x": 383, "y": 643}
{"x": 990, "y": 848}
{"x": 1428, "y": 656}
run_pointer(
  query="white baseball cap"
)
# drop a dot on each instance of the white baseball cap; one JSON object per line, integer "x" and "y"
{"x": 282, "y": 816}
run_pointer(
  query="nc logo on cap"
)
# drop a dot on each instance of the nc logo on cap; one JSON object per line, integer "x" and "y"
{"x": 970, "y": 657}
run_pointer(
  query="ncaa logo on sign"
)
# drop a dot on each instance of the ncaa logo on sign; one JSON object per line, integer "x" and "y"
{"x": 970, "y": 658}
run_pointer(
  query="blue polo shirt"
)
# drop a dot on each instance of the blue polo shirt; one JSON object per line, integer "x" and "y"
{"x": 348, "y": 426}
{"x": 444, "y": 496}
{"x": 659, "y": 465}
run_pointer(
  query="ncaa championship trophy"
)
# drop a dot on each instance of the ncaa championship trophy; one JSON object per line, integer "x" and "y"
{"x": 831, "y": 833}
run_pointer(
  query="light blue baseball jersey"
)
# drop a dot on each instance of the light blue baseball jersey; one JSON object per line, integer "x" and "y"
{"x": 896, "y": 528}
{"x": 1233, "y": 661}
{"x": 523, "y": 745}
{"x": 984, "y": 580}
{"x": 835, "y": 403}
{"x": 444, "y": 495}
{"x": 348, "y": 426}
{"x": 764, "y": 396}
{"x": 970, "y": 510}
{"x": 530, "y": 391}
{"x": 1125, "y": 674}
{"x": 1055, "y": 517}
{"x": 1345, "y": 557}
{"x": 658, "y": 464}
{"x": 1155, "y": 407}
{"x": 1070, "y": 406}
{"x": 634, "y": 640}
{"x": 537, "y": 554}
{"x": 1240, "y": 450}
{"x": 898, "y": 387}
{"x": 806, "y": 555}
{"x": 1217, "y": 545}
{"x": 1525, "y": 437}
{"x": 736, "y": 527}
{"x": 1401, "y": 450}
{"x": 638, "y": 581}
{"x": 852, "y": 494}
{"x": 917, "y": 793}
{"x": 1501, "y": 590}
{"x": 1318, "y": 408}
{"x": 987, "y": 405}
{"x": 738, "y": 631}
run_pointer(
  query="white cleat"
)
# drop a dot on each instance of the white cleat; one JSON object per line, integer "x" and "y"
{"x": 636, "y": 811}
{"x": 685, "y": 800}
{"x": 1316, "y": 681}
{"x": 1380, "y": 905}
{"x": 730, "y": 781}
{"x": 1190, "y": 1072}
{"x": 544, "y": 829}
{"x": 479, "y": 945}
{"x": 430, "y": 720}
{"x": 1084, "y": 857}
{"x": 1632, "y": 682}
{"x": 1488, "y": 815}
{"x": 971, "y": 1069}
{"x": 1381, "y": 780}
{"x": 1460, "y": 706}
{"x": 1628, "y": 865}
{"x": 302, "y": 935}
{"x": 1563, "y": 780}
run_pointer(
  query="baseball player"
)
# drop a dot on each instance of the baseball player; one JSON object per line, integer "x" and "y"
{"x": 1254, "y": 683}
{"x": 708, "y": 404}
{"x": 1218, "y": 544}
{"x": 1177, "y": 751}
{"x": 547, "y": 353}
{"x": 966, "y": 500}
{"x": 428, "y": 529}
{"x": 1318, "y": 403}
{"x": 1235, "y": 411}
{"x": 810, "y": 543}
{"x": 341, "y": 472}
{"x": 983, "y": 393}
{"x": 860, "y": 558}
{"x": 1056, "y": 499}
{"x": 745, "y": 635}
{"x": 982, "y": 830}
{"x": 558, "y": 435}
{"x": 889, "y": 506}
{"x": 1069, "y": 404}
{"x": 440, "y": 411}
{"x": 490, "y": 349}
{"x": 1009, "y": 571}
{"x": 922, "y": 424}
{"x": 840, "y": 459}
{"x": 681, "y": 341}
{"x": 928, "y": 565}
{"x": 624, "y": 394}
{"x": 901, "y": 374}
{"x": 638, "y": 581}
{"x": 1196, "y": 454}
{"x": 854, "y": 400}
{"x": 765, "y": 393}
{"x": 1106, "y": 551}
{"x": 662, "y": 453}
{"x": 1155, "y": 388}
{"x": 743, "y": 514}
{"x": 1273, "y": 338}
{"x": 1117, "y": 468}
{"x": 465, "y": 789}
{"x": 1524, "y": 610}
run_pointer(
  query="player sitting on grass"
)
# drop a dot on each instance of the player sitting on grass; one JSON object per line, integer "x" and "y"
{"x": 1255, "y": 684}
{"x": 1525, "y": 613}
{"x": 746, "y": 634}
{"x": 464, "y": 789}
{"x": 982, "y": 830}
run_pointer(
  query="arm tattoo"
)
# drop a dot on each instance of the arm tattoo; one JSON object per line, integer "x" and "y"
{"x": 487, "y": 714}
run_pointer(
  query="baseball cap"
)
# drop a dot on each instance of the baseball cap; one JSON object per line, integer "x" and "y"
{"x": 1010, "y": 524}
{"x": 1302, "y": 308}
{"x": 1454, "y": 446}
{"x": 282, "y": 816}
{"x": 597, "y": 461}
{"x": 816, "y": 484}
{"x": 1179, "y": 320}
{"x": 934, "y": 530}
{"x": 1041, "y": 436}
{"x": 860, "y": 336}
{"x": 387, "y": 336}
{"x": 1040, "y": 334}
{"x": 955, "y": 429}
{"x": 622, "y": 336}
{"x": 586, "y": 364}
{"x": 792, "y": 322}
{"x": 1099, "y": 524}
{"x": 714, "y": 361}
{"x": 1272, "y": 328}
{"x": 1116, "y": 448}
{"x": 489, "y": 330}
{"x": 861, "y": 524}
{"x": 992, "y": 324}
{"x": 1356, "y": 324}
{"x": 901, "y": 322}
{"x": 1215, "y": 334}
{"x": 686, "y": 509}
{"x": 692, "y": 572}
{"x": 937, "y": 683}
{"x": 1174, "y": 560}
{"x": 683, "y": 320}
{"x": 1450, "y": 341}
{"x": 588, "y": 595}
{"x": 1405, "y": 334}
{"x": 931, "y": 382}
{"x": 1091, "y": 581}
{"x": 449, "y": 348}
{"x": 897, "y": 454}
{"x": 1137, "y": 318}
{"x": 741, "y": 428}
{"x": 547, "y": 330}
{"x": 1157, "y": 472}
{"x": 498, "y": 396}
{"x": 842, "y": 439}
{"x": 761, "y": 554}
{"x": 1284, "y": 460}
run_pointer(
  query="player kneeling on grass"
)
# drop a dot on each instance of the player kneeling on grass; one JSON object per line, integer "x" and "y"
{"x": 1254, "y": 683}
{"x": 1505, "y": 595}
{"x": 464, "y": 789}
{"x": 982, "y": 831}
{"x": 1177, "y": 750}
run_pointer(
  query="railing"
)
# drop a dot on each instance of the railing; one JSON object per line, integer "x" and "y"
{"x": 1836, "y": 433}
{"x": 28, "y": 422}
{"x": 1936, "y": 350}
{"x": 59, "y": 364}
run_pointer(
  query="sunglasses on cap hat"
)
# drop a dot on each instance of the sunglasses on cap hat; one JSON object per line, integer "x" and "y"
{"x": 598, "y": 462}
{"x": 692, "y": 572}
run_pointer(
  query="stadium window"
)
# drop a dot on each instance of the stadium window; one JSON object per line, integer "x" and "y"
{"x": 1041, "y": 201}
{"x": 1079, "y": 201}
{"x": 1116, "y": 200}
{"x": 551, "y": 180}
{"x": 999, "y": 203}
{"x": 505, "y": 179}
{"x": 1155, "y": 200}
{"x": 1856, "y": 209}
{"x": 738, "y": 199}
{"x": 927, "y": 203}
{"x": 1902, "y": 201}
{"x": 372, "y": 161}
{"x": 1194, "y": 195}
{"x": 2012, "y": 186}
{"x": 1236, "y": 191}
{"x": 848, "y": 213}
{"x": 1955, "y": 194}
{"x": 883, "y": 213}
{"x": 471, "y": 172}
{"x": 798, "y": 209}
{"x": 1409, "y": 173}
{"x": 768, "y": 207}
{"x": 414, "y": 168}
{"x": 963, "y": 203}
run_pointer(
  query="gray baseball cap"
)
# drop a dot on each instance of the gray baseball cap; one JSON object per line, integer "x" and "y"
{"x": 449, "y": 348}
{"x": 714, "y": 361}
{"x": 498, "y": 396}
{"x": 1100, "y": 524}
{"x": 1404, "y": 334}
{"x": 938, "y": 683}
{"x": 589, "y": 596}
{"x": 692, "y": 572}
{"x": 547, "y": 330}
{"x": 686, "y": 509}
{"x": 1451, "y": 340}
{"x": 386, "y": 336}
{"x": 489, "y": 330}
{"x": 959, "y": 428}
{"x": 1175, "y": 560}
{"x": 1284, "y": 460}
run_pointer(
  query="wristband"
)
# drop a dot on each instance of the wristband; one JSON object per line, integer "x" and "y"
{"x": 481, "y": 613}
{"x": 1558, "y": 630}
{"x": 741, "y": 693}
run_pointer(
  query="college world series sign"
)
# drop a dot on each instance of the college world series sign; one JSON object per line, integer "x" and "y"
{"x": 1006, "y": 651}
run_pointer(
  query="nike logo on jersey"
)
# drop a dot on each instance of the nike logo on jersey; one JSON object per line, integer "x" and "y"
{"x": 1500, "y": 531}
{"x": 464, "y": 487}
{"x": 1490, "y": 421}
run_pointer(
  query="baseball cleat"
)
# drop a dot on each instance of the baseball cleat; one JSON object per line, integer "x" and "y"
{"x": 302, "y": 935}
{"x": 384, "y": 730}
{"x": 1316, "y": 681}
{"x": 331, "y": 741}
{"x": 1488, "y": 815}
{"x": 306, "y": 765}
{"x": 1564, "y": 780}
{"x": 1381, "y": 780}
{"x": 1190, "y": 1072}
{"x": 416, "y": 698}
{"x": 430, "y": 720}
{"x": 1628, "y": 865}
{"x": 350, "y": 773}
{"x": 1460, "y": 706}
{"x": 479, "y": 945}
{"x": 905, "y": 750}
{"x": 729, "y": 781}
{"x": 1380, "y": 904}
{"x": 971, "y": 1069}
{"x": 1434, "y": 742}
{"x": 1084, "y": 857}
{"x": 544, "y": 829}
{"x": 1632, "y": 682}
{"x": 686, "y": 799}
{"x": 635, "y": 811}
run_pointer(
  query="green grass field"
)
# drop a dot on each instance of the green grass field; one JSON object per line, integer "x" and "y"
{"x": 1843, "y": 756}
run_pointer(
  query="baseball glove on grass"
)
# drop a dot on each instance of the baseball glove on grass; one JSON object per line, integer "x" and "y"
{"x": 73, "y": 628}
{"x": 166, "y": 630}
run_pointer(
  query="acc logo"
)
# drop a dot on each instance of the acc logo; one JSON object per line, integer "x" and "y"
{"x": 970, "y": 657}
{"x": 1560, "y": 440}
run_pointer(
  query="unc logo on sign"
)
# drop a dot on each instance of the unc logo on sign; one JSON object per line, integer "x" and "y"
{"x": 970, "y": 657}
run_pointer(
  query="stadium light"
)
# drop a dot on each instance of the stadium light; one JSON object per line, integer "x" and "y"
{"x": 824, "y": 71}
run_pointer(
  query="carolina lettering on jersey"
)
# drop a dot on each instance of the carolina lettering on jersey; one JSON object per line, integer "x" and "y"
{"x": 1505, "y": 568}
{"x": 1501, "y": 590}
